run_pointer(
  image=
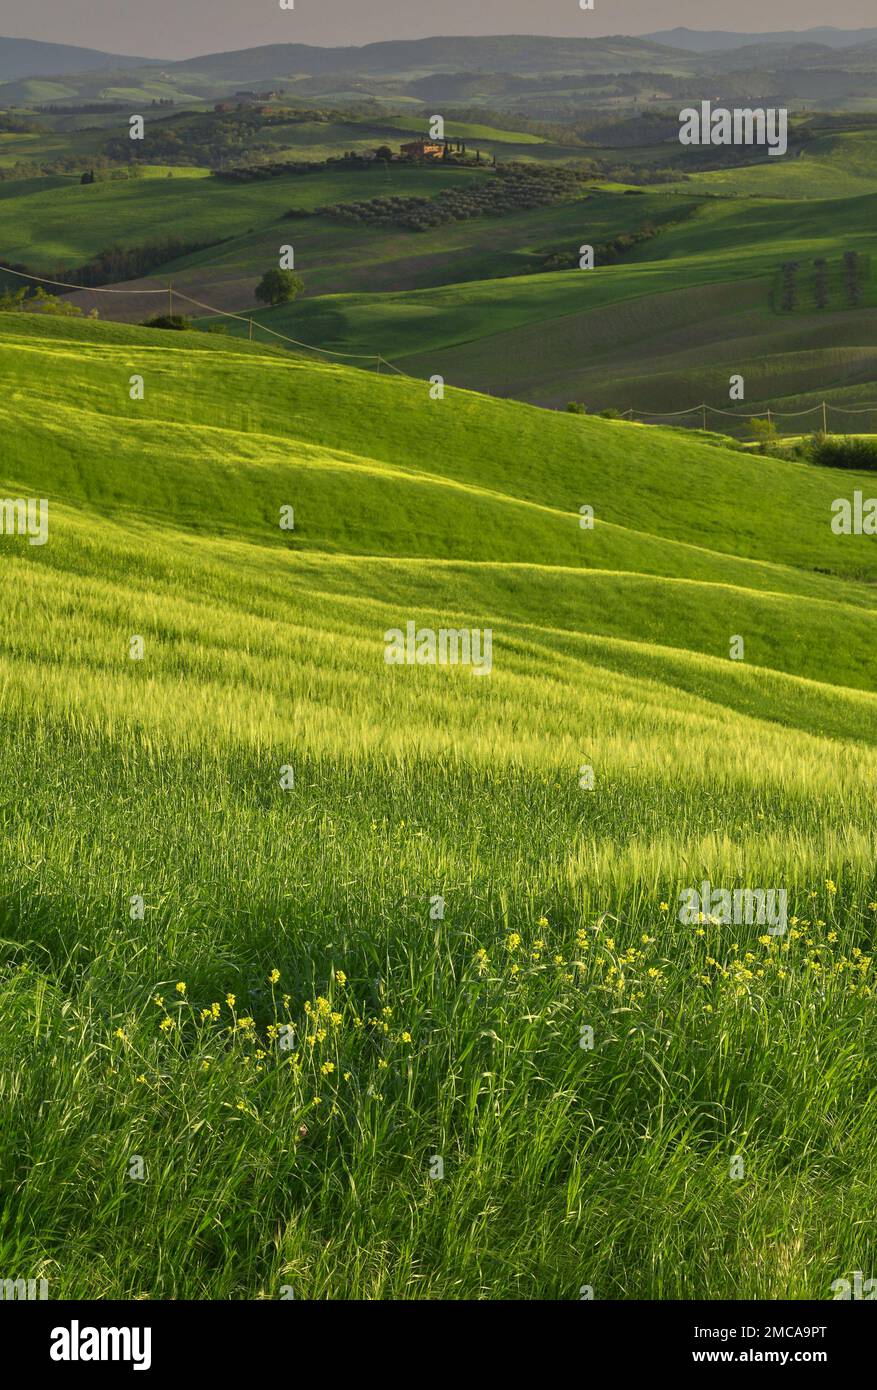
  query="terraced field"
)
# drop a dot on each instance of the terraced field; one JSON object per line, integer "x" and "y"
{"x": 291, "y": 924}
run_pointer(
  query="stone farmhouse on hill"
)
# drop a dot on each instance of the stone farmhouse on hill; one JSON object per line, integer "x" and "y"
{"x": 422, "y": 149}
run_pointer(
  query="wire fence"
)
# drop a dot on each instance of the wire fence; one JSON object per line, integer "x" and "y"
{"x": 823, "y": 416}
{"x": 766, "y": 422}
{"x": 171, "y": 294}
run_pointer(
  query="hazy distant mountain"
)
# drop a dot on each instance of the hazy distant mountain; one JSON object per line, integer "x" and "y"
{"x": 379, "y": 69}
{"x": 509, "y": 53}
{"x": 719, "y": 40}
{"x": 531, "y": 73}
{"x": 783, "y": 59}
{"x": 29, "y": 58}
{"x": 523, "y": 55}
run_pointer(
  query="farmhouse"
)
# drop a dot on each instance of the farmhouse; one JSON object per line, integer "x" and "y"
{"x": 422, "y": 149}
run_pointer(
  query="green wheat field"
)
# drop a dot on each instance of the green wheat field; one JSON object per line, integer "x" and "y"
{"x": 300, "y": 951}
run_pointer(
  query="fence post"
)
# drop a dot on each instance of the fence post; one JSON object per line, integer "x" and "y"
{"x": 703, "y": 408}
{"x": 824, "y": 418}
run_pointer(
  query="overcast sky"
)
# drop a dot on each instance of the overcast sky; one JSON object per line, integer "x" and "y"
{"x": 183, "y": 28}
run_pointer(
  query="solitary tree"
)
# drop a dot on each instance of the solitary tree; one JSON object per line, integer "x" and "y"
{"x": 765, "y": 432}
{"x": 278, "y": 287}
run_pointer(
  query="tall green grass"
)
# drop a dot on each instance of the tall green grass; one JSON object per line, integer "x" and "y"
{"x": 293, "y": 1030}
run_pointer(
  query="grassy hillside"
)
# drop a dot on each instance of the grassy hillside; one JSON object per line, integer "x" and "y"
{"x": 49, "y": 223}
{"x": 660, "y": 330}
{"x": 833, "y": 164}
{"x": 414, "y": 1037}
{"x": 338, "y": 258}
{"x": 663, "y": 327}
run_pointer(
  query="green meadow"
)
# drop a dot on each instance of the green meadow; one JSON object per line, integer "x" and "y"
{"x": 832, "y": 164}
{"x": 50, "y": 223}
{"x": 661, "y": 329}
{"x": 368, "y": 980}
{"x": 486, "y": 301}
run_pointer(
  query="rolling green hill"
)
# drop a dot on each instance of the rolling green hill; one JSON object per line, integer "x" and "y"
{"x": 239, "y": 839}
{"x": 49, "y": 223}
{"x": 660, "y": 330}
{"x": 832, "y": 164}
